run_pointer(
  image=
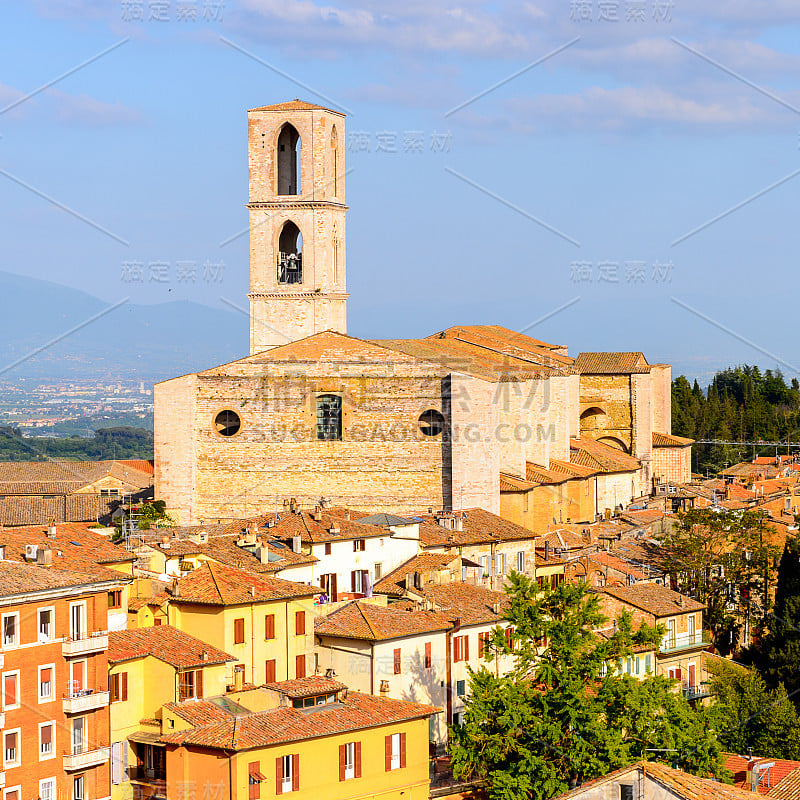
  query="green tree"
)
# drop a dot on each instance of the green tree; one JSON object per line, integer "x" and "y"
{"x": 778, "y": 653}
{"x": 724, "y": 560}
{"x": 750, "y": 717}
{"x": 561, "y": 716}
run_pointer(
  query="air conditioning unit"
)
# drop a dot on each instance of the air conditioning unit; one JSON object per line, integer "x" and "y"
{"x": 31, "y": 551}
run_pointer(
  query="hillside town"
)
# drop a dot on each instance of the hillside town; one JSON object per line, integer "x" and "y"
{"x": 346, "y": 550}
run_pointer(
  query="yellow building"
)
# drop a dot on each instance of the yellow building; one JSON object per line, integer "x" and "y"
{"x": 149, "y": 667}
{"x": 266, "y": 623}
{"x": 310, "y": 738}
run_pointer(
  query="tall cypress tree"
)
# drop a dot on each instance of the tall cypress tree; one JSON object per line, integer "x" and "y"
{"x": 779, "y": 654}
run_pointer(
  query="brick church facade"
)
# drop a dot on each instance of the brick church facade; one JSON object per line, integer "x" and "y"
{"x": 442, "y": 422}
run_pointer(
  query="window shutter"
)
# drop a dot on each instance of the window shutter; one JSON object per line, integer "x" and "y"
{"x": 353, "y": 581}
{"x": 402, "y": 749}
{"x": 269, "y": 626}
{"x": 124, "y": 685}
{"x": 300, "y": 666}
{"x": 466, "y": 648}
{"x": 342, "y": 755}
{"x": 279, "y": 775}
{"x": 46, "y": 673}
{"x": 116, "y": 762}
{"x": 270, "y": 671}
{"x": 358, "y": 759}
{"x": 397, "y": 661}
{"x": 47, "y": 734}
{"x": 388, "y": 753}
{"x": 238, "y": 631}
{"x": 10, "y": 690}
{"x": 296, "y": 772}
{"x": 428, "y": 659}
{"x": 254, "y": 785}
{"x": 300, "y": 622}
{"x": 198, "y": 683}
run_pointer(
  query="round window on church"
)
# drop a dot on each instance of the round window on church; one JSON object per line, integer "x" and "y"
{"x": 431, "y": 422}
{"x": 227, "y": 423}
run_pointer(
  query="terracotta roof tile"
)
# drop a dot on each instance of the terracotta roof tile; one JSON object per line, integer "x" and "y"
{"x": 787, "y": 788}
{"x": 668, "y": 440}
{"x": 611, "y": 363}
{"x": 280, "y": 725}
{"x": 358, "y": 620}
{"x": 21, "y": 579}
{"x": 473, "y": 605}
{"x": 165, "y": 643}
{"x": 589, "y": 453}
{"x": 295, "y": 105}
{"x": 306, "y": 687}
{"x": 216, "y": 584}
{"x": 655, "y": 599}
{"x": 478, "y": 526}
{"x": 392, "y": 582}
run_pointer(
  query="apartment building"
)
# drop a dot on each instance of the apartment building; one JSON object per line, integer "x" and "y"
{"x": 54, "y": 720}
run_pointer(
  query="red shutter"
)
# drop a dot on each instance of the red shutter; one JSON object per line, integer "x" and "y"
{"x": 300, "y": 667}
{"x": 47, "y": 734}
{"x": 300, "y": 623}
{"x": 678, "y": 673}
{"x": 466, "y": 648}
{"x": 279, "y": 775}
{"x": 457, "y": 648}
{"x": 10, "y": 690}
{"x": 428, "y": 660}
{"x": 397, "y": 661}
{"x": 342, "y": 755}
{"x": 388, "y": 753}
{"x": 198, "y": 684}
{"x": 270, "y": 671}
{"x": 353, "y": 581}
{"x": 481, "y": 643}
{"x": 238, "y": 631}
{"x": 358, "y": 759}
{"x": 113, "y": 687}
{"x": 402, "y": 749}
{"x": 253, "y": 770}
{"x": 124, "y": 685}
{"x": 296, "y": 773}
{"x": 269, "y": 626}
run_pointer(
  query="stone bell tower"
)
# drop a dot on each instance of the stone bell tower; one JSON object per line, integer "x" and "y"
{"x": 297, "y": 223}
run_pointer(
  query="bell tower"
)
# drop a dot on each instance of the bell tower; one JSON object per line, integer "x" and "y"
{"x": 297, "y": 223}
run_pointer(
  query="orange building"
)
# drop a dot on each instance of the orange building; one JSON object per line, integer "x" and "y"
{"x": 55, "y": 735}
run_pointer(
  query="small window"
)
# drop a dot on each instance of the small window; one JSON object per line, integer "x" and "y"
{"x": 428, "y": 662}
{"x": 378, "y": 570}
{"x": 461, "y": 688}
{"x": 626, "y": 791}
{"x": 300, "y": 666}
{"x": 270, "y": 671}
{"x": 11, "y": 754}
{"x": 11, "y": 690}
{"x": 269, "y": 626}
{"x": 227, "y": 423}
{"x": 47, "y": 732}
{"x": 115, "y": 598}
{"x": 397, "y": 661}
{"x": 300, "y": 623}
{"x": 47, "y": 789}
{"x": 327, "y": 548}
{"x": 359, "y": 545}
{"x": 9, "y": 630}
{"x": 46, "y": 683}
{"x": 45, "y": 624}
{"x": 431, "y": 422}
{"x": 329, "y": 417}
{"x": 77, "y": 788}
{"x": 238, "y": 631}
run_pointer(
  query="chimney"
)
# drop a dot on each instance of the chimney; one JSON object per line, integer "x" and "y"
{"x": 316, "y": 514}
{"x": 252, "y": 591}
{"x": 547, "y": 551}
{"x": 52, "y": 531}
{"x": 176, "y": 588}
{"x": 296, "y": 544}
{"x": 347, "y": 513}
{"x": 44, "y": 556}
{"x": 204, "y": 655}
{"x": 293, "y": 505}
{"x": 238, "y": 680}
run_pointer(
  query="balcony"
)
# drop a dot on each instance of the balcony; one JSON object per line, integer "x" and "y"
{"x": 77, "y": 701}
{"x": 82, "y": 758}
{"x": 87, "y": 643}
{"x": 696, "y": 692}
{"x": 685, "y": 641}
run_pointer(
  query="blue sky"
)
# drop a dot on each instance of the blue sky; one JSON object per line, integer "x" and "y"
{"x": 573, "y": 179}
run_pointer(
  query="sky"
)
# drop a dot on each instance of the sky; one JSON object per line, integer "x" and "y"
{"x": 604, "y": 174}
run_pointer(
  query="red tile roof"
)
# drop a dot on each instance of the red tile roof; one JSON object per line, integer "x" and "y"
{"x": 165, "y": 643}
{"x": 788, "y": 788}
{"x": 668, "y": 440}
{"x": 473, "y": 605}
{"x": 392, "y": 582}
{"x": 602, "y": 457}
{"x": 295, "y": 105}
{"x": 215, "y": 584}
{"x": 478, "y": 526}
{"x": 740, "y": 765}
{"x": 655, "y": 599}
{"x": 18, "y": 579}
{"x": 306, "y": 687}
{"x": 611, "y": 363}
{"x": 281, "y": 725}
{"x": 370, "y": 622}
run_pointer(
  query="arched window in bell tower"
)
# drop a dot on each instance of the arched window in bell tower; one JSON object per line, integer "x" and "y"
{"x": 288, "y": 160}
{"x": 290, "y": 254}
{"x": 334, "y": 162}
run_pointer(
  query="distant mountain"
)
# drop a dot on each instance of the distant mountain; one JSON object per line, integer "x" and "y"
{"x": 131, "y": 342}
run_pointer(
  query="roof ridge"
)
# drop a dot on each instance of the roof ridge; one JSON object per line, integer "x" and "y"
{"x": 364, "y": 617}
{"x": 211, "y": 565}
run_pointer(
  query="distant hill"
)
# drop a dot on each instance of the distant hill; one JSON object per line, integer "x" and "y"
{"x": 132, "y": 341}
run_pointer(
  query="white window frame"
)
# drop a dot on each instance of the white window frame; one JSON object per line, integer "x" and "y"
{"x": 52, "y": 754}
{"x": 286, "y": 774}
{"x": 7, "y": 707}
{"x": 78, "y": 780}
{"x": 83, "y": 633}
{"x": 45, "y": 782}
{"x": 395, "y": 759}
{"x": 18, "y": 759}
{"x": 349, "y": 760}
{"x": 41, "y": 638}
{"x": 15, "y": 642}
{"x": 520, "y": 561}
{"x": 17, "y": 789}
{"x": 52, "y": 696}
{"x": 84, "y": 738}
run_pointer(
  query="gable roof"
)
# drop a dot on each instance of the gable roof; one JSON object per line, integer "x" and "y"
{"x": 472, "y": 605}
{"x": 374, "y": 623}
{"x": 655, "y": 599}
{"x": 65, "y": 477}
{"x": 287, "y": 724}
{"x": 295, "y": 105}
{"x": 668, "y": 440}
{"x": 602, "y": 457}
{"x": 392, "y": 582}
{"x": 219, "y": 585}
{"x": 611, "y": 363}
{"x": 22, "y": 579}
{"x": 787, "y": 788}
{"x": 478, "y": 526}
{"x": 167, "y": 644}
{"x": 306, "y": 687}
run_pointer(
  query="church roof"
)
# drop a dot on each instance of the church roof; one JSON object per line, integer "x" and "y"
{"x": 296, "y": 105}
{"x": 611, "y": 363}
